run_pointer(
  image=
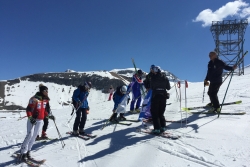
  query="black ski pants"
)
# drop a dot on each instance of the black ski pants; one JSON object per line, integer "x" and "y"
{"x": 46, "y": 123}
{"x": 212, "y": 93}
{"x": 81, "y": 117}
{"x": 158, "y": 106}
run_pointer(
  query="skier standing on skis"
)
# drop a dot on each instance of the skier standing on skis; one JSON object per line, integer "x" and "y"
{"x": 121, "y": 99}
{"x": 80, "y": 96}
{"x": 159, "y": 83}
{"x": 214, "y": 75}
{"x": 36, "y": 112}
{"x": 45, "y": 120}
{"x": 136, "y": 92}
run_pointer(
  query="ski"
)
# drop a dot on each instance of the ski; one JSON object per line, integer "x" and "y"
{"x": 89, "y": 135}
{"x": 164, "y": 134}
{"x": 45, "y": 139}
{"x": 222, "y": 113}
{"x": 33, "y": 159}
{"x": 80, "y": 136}
{"x": 121, "y": 123}
{"x": 207, "y": 107}
{"x": 171, "y": 121}
{"x": 130, "y": 120}
{"x": 28, "y": 162}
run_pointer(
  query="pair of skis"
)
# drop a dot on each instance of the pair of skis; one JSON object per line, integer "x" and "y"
{"x": 165, "y": 134}
{"x": 84, "y": 136}
{"x": 31, "y": 162}
{"x": 207, "y": 107}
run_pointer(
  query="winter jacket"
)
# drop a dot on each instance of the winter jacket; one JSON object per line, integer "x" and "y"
{"x": 215, "y": 70}
{"x": 136, "y": 84}
{"x": 159, "y": 83}
{"x": 147, "y": 80}
{"x": 81, "y": 96}
{"x": 118, "y": 97}
{"x": 38, "y": 106}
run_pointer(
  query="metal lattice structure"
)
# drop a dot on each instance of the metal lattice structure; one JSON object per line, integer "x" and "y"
{"x": 229, "y": 41}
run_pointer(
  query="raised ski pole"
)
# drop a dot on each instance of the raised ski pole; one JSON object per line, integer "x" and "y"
{"x": 179, "y": 86}
{"x": 238, "y": 62}
{"x": 186, "y": 86}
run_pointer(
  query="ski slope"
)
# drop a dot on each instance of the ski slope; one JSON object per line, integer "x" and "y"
{"x": 205, "y": 141}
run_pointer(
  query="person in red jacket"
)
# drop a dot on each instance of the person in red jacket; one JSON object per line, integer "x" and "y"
{"x": 36, "y": 112}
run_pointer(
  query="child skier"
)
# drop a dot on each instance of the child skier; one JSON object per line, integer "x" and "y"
{"x": 121, "y": 99}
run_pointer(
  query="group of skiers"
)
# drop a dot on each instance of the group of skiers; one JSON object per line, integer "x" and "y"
{"x": 156, "y": 82}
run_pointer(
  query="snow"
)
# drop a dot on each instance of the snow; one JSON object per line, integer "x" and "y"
{"x": 205, "y": 141}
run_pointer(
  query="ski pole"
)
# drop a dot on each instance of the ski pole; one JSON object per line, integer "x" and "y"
{"x": 179, "y": 86}
{"x": 241, "y": 59}
{"x": 60, "y": 136}
{"x": 203, "y": 94}
{"x": 186, "y": 86}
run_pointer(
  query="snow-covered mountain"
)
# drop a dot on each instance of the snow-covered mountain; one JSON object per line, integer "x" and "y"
{"x": 15, "y": 93}
{"x": 206, "y": 141}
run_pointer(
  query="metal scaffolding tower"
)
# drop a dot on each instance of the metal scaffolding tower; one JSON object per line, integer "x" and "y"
{"x": 229, "y": 40}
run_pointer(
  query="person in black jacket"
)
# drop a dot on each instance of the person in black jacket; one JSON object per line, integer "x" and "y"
{"x": 214, "y": 75}
{"x": 159, "y": 83}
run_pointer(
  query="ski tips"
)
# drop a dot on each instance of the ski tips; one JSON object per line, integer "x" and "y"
{"x": 238, "y": 102}
{"x": 185, "y": 109}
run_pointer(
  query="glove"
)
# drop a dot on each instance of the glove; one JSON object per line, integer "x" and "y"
{"x": 32, "y": 120}
{"x": 206, "y": 83}
{"x": 128, "y": 101}
{"x": 113, "y": 110}
{"x": 52, "y": 117}
{"x": 87, "y": 108}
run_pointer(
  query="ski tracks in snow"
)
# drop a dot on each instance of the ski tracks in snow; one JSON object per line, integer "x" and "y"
{"x": 78, "y": 146}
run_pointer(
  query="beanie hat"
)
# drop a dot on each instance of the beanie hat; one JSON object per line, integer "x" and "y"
{"x": 42, "y": 88}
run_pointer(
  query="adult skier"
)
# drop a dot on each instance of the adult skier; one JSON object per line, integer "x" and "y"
{"x": 159, "y": 83}
{"x": 36, "y": 112}
{"x": 214, "y": 75}
{"x": 80, "y": 96}
{"x": 121, "y": 99}
{"x": 45, "y": 120}
{"x": 136, "y": 92}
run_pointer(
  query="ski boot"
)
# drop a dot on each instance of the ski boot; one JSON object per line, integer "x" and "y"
{"x": 122, "y": 118}
{"x": 163, "y": 129}
{"x": 75, "y": 133}
{"x": 28, "y": 155}
{"x": 44, "y": 135}
{"x": 81, "y": 132}
{"x": 209, "y": 105}
{"x": 137, "y": 110}
{"x": 212, "y": 110}
{"x": 156, "y": 131}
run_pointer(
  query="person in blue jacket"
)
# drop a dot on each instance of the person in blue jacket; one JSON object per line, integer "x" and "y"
{"x": 136, "y": 92}
{"x": 80, "y": 96}
{"x": 121, "y": 99}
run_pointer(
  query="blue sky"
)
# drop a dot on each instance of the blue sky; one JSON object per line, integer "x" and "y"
{"x": 84, "y": 35}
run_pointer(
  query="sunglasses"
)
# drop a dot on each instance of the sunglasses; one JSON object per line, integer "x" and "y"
{"x": 46, "y": 91}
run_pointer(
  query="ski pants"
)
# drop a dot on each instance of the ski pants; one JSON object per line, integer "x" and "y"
{"x": 137, "y": 99}
{"x": 46, "y": 123}
{"x": 158, "y": 106}
{"x": 32, "y": 132}
{"x": 212, "y": 93}
{"x": 81, "y": 117}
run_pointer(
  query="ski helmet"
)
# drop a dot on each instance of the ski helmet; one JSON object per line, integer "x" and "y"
{"x": 87, "y": 85}
{"x": 123, "y": 89}
{"x": 152, "y": 67}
